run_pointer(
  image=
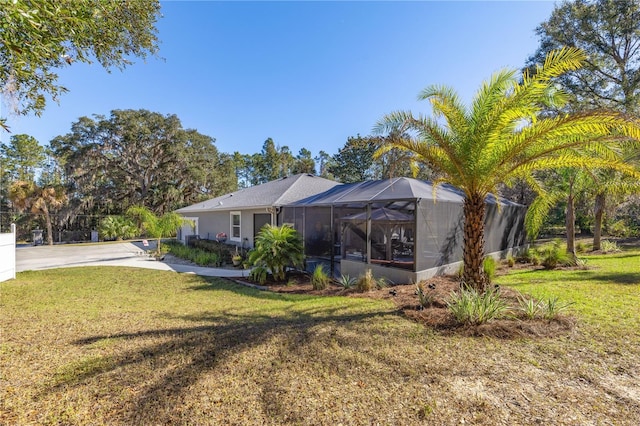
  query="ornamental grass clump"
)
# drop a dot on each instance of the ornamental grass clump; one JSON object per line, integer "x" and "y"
{"x": 368, "y": 282}
{"x": 554, "y": 256}
{"x": 426, "y": 296}
{"x": 320, "y": 280}
{"x": 489, "y": 265}
{"x": 470, "y": 306}
{"x": 607, "y": 246}
{"x": 548, "y": 309}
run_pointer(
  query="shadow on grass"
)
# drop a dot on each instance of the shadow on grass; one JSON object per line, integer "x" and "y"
{"x": 611, "y": 277}
{"x": 181, "y": 356}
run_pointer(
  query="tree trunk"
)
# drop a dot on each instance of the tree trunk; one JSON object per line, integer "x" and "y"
{"x": 571, "y": 227}
{"x": 474, "y": 242}
{"x": 599, "y": 214}
{"x": 47, "y": 219}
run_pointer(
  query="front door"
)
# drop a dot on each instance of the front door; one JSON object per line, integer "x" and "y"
{"x": 260, "y": 220}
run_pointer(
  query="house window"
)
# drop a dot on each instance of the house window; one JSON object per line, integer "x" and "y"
{"x": 235, "y": 227}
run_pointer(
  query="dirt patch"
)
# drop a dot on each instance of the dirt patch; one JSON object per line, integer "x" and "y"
{"x": 436, "y": 316}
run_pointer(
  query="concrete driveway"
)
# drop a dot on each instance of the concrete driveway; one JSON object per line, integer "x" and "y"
{"x": 109, "y": 254}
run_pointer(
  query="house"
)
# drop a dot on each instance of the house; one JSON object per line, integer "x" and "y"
{"x": 402, "y": 229}
{"x": 238, "y": 216}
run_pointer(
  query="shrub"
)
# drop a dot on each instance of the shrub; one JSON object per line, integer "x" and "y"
{"x": 553, "y": 256}
{"x": 117, "y": 228}
{"x": 525, "y": 255}
{"x": 619, "y": 229}
{"x": 535, "y": 259}
{"x": 581, "y": 247}
{"x": 224, "y": 251}
{"x": 320, "y": 280}
{"x": 489, "y": 266}
{"x": 468, "y": 306}
{"x": 607, "y": 246}
{"x": 346, "y": 282}
{"x": 258, "y": 274}
{"x": 276, "y": 249}
{"x": 197, "y": 256}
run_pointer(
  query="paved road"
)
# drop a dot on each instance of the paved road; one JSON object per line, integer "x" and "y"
{"x": 112, "y": 254}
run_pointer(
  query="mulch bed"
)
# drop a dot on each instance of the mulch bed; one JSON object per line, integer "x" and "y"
{"x": 437, "y": 316}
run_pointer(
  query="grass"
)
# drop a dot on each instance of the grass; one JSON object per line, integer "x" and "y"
{"x": 125, "y": 346}
{"x": 606, "y": 295}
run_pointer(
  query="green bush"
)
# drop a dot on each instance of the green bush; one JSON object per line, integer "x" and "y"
{"x": 535, "y": 259}
{"x": 489, "y": 265}
{"x": 511, "y": 261}
{"x": 553, "y": 256}
{"x": 258, "y": 274}
{"x": 525, "y": 255}
{"x": 607, "y": 246}
{"x": 320, "y": 280}
{"x": 198, "y": 256}
{"x": 619, "y": 229}
{"x": 117, "y": 228}
{"x": 276, "y": 249}
{"x": 468, "y": 306}
{"x": 224, "y": 251}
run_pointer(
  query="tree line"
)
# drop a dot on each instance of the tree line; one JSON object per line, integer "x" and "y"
{"x": 107, "y": 164}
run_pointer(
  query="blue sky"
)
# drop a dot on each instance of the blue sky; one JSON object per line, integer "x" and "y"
{"x": 307, "y": 74}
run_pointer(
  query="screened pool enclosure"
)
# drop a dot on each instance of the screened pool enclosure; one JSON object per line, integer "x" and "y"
{"x": 399, "y": 228}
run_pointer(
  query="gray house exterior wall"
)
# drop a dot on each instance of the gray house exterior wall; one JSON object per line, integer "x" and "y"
{"x": 212, "y": 223}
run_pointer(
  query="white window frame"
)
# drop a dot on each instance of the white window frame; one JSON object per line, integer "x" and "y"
{"x": 239, "y": 226}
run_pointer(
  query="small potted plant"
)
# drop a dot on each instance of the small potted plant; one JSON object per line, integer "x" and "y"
{"x": 236, "y": 258}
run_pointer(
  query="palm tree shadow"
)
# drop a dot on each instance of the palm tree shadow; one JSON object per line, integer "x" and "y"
{"x": 206, "y": 346}
{"x": 614, "y": 277}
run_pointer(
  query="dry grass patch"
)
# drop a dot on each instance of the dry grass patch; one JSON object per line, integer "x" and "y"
{"x": 122, "y": 346}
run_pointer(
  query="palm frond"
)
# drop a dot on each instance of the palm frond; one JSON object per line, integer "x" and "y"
{"x": 539, "y": 210}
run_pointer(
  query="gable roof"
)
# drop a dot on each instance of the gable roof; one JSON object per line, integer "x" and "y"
{"x": 278, "y": 192}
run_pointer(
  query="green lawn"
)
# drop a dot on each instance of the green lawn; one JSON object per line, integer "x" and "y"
{"x": 125, "y": 346}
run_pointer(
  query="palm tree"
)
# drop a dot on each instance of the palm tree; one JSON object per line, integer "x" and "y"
{"x": 504, "y": 136}
{"x": 156, "y": 226}
{"x": 27, "y": 195}
{"x": 276, "y": 248}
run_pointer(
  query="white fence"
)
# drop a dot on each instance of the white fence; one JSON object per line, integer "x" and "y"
{"x": 8, "y": 255}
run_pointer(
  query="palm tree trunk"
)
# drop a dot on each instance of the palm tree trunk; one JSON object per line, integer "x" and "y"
{"x": 571, "y": 227}
{"x": 599, "y": 213}
{"x": 474, "y": 242}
